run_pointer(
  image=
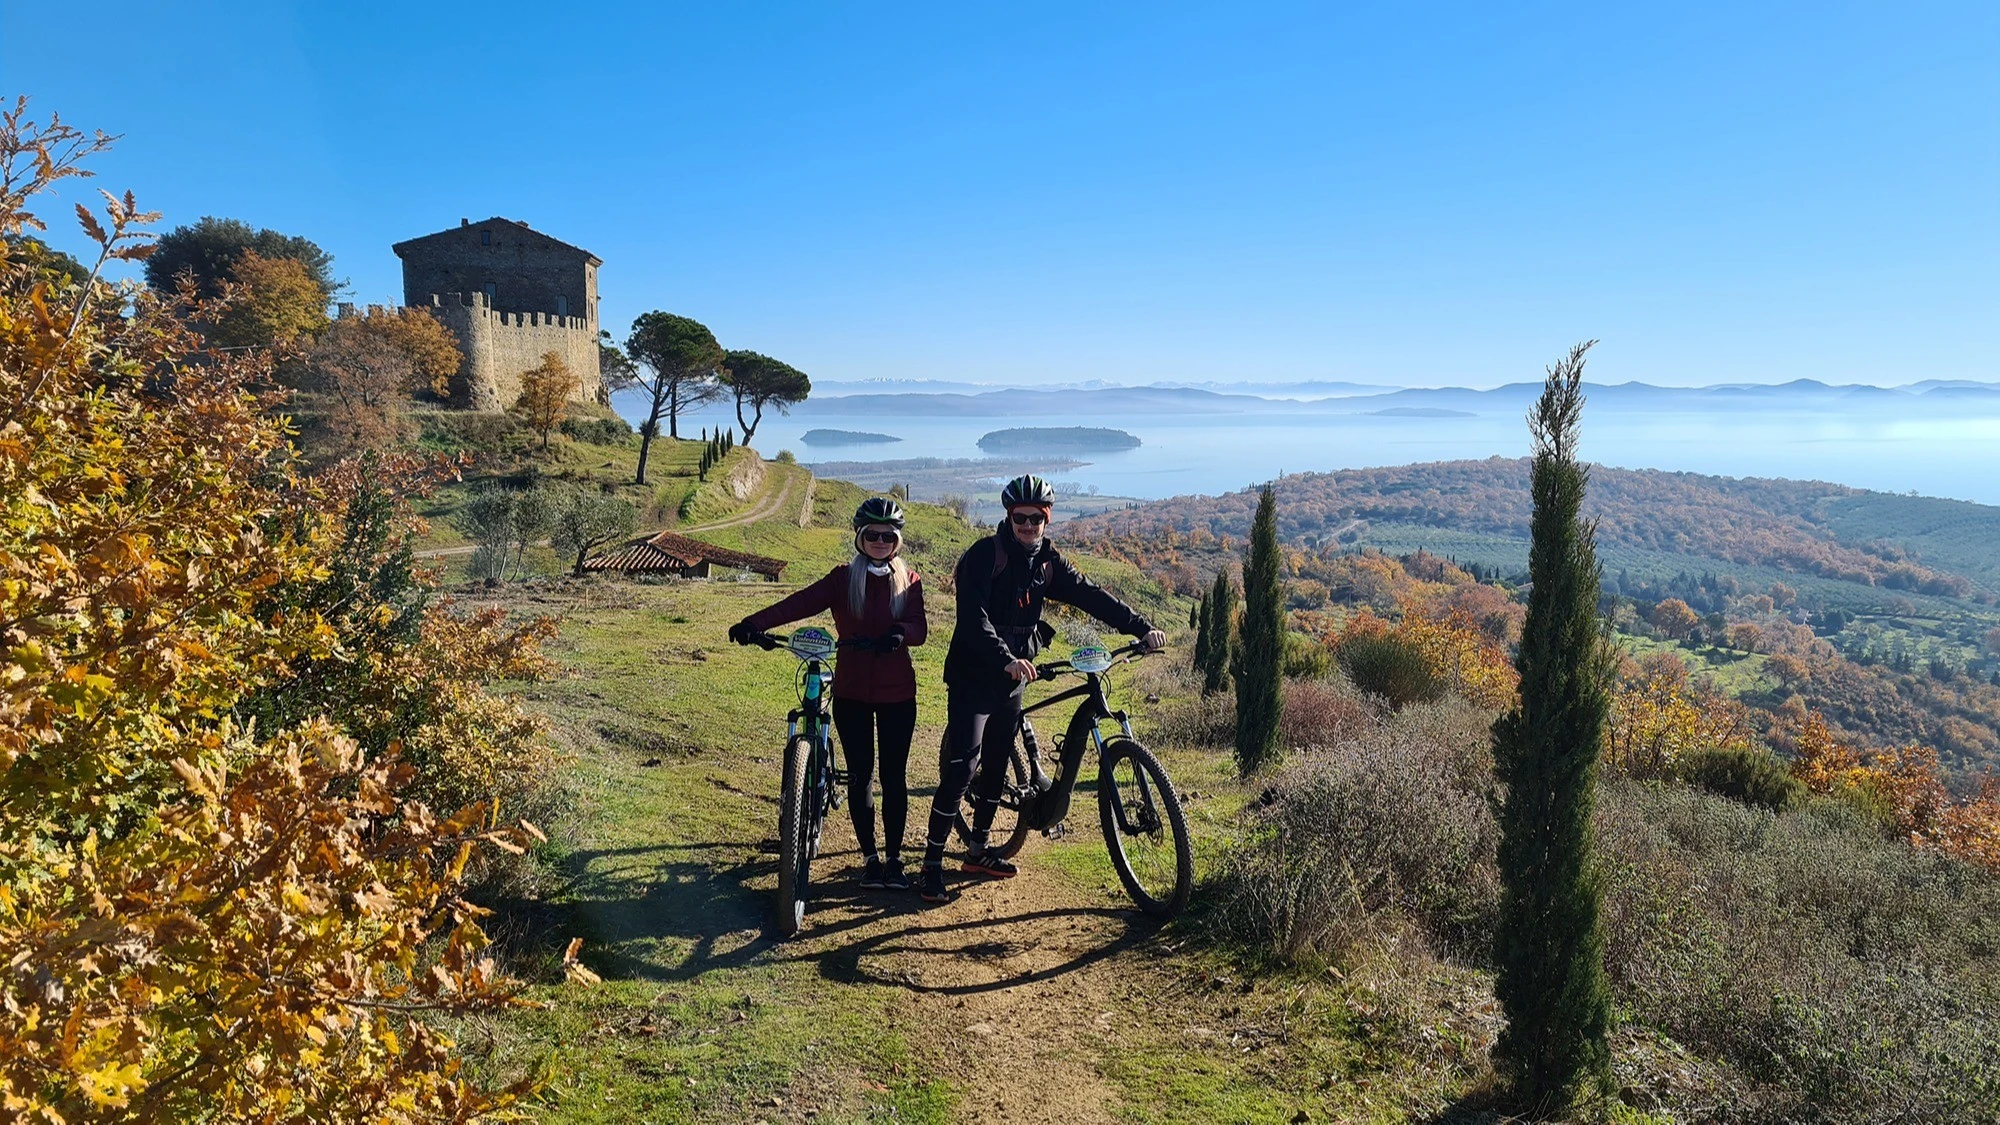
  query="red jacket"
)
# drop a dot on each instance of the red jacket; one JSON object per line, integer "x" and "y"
{"x": 858, "y": 674}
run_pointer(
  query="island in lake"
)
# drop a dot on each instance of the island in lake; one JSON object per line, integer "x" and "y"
{"x": 1057, "y": 439}
{"x": 845, "y": 437}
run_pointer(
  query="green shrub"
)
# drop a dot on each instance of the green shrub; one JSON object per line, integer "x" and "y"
{"x": 1855, "y": 978}
{"x": 785, "y": 457}
{"x": 1394, "y": 821}
{"x": 1753, "y": 776}
{"x": 1306, "y": 658}
{"x": 1389, "y": 666}
{"x": 598, "y": 431}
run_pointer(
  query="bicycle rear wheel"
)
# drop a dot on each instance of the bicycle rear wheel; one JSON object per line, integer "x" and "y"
{"x": 1010, "y": 830}
{"x": 1144, "y": 828}
{"x": 798, "y": 833}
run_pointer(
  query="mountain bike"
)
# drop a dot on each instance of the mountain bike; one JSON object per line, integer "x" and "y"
{"x": 1137, "y": 807}
{"x": 812, "y": 780}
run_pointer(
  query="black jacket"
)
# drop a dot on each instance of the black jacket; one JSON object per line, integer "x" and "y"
{"x": 999, "y": 613}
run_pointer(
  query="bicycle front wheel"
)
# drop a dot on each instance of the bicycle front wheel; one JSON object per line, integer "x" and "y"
{"x": 798, "y": 832}
{"x": 1144, "y": 828}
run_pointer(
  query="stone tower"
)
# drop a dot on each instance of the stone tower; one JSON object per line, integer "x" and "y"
{"x": 510, "y": 294}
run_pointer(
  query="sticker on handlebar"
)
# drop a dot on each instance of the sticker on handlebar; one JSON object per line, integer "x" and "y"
{"x": 1090, "y": 659}
{"x": 811, "y": 643}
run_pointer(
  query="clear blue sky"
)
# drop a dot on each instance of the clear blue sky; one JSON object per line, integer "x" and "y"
{"x": 1409, "y": 194}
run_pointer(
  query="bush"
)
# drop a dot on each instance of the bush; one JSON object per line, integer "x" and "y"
{"x": 1753, "y": 776}
{"x": 598, "y": 431}
{"x": 1856, "y": 977}
{"x": 1390, "y": 666}
{"x": 1394, "y": 822}
{"x": 785, "y": 457}
{"x": 1321, "y": 713}
{"x": 1305, "y": 658}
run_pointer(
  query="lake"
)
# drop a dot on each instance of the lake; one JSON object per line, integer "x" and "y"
{"x": 1955, "y": 457}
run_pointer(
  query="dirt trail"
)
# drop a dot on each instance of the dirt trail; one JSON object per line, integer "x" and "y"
{"x": 1022, "y": 981}
{"x": 771, "y": 503}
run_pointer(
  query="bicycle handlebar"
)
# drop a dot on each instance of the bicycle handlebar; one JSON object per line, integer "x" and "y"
{"x": 770, "y": 641}
{"x": 1056, "y": 668}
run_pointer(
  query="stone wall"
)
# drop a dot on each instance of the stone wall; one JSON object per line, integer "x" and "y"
{"x": 499, "y": 346}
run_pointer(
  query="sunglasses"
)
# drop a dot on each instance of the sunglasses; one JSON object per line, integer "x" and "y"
{"x": 1028, "y": 519}
{"x": 880, "y": 536}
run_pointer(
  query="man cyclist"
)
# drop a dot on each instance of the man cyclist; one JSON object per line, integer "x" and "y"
{"x": 1002, "y": 581}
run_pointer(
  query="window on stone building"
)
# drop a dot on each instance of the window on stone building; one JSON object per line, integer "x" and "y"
{"x": 486, "y": 238}
{"x": 562, "y": 305}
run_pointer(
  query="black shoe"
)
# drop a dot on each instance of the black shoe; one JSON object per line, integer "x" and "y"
{"x": 872, "y": 876}
{"x": 893, "y": 877}
{"x": 990, "y": 864}
{"x": 930, "y": 885}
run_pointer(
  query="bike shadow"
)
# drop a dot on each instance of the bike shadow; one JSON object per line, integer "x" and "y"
{"x": 673, "y": 912}
{"x": 856, "y": 962}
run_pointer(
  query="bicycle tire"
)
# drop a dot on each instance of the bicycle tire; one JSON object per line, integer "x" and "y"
{"x": 1142, "y": 820}
{"x": 794, "y": 843}
{"x": 1010, "y": 829}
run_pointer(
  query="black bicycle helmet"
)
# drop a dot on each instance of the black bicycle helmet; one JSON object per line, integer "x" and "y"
{"x": 1028, "y": 490}
{"x": 878, "y": 509}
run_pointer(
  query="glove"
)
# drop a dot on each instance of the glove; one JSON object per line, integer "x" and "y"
{"x": 889, "y": 641}
{"x": 740, "y": 632}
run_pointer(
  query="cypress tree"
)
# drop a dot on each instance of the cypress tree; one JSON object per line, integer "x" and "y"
{"x": 1260, "y": 653}
{"x": 1199, "y": 615}
{"x": 1549, "y": 944}
{"x": 1221, "y": 621}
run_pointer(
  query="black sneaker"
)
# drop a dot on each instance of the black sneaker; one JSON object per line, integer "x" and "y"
{"x": 990, "y": 864}
{"x": 893, "y": 877}
{"x": 871, "y": 876}
{"x": 930, "y": 885}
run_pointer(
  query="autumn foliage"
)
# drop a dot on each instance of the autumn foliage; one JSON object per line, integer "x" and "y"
{"x": 218, "y": 900}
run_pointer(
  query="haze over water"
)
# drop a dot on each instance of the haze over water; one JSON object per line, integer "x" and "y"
{"x": 1957, "y": 457}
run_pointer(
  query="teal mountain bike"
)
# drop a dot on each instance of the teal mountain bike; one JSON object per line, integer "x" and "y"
{"x": 812, "y": 781}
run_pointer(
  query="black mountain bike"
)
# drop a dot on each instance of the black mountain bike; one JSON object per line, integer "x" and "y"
{"x": 812, "y": 782}
{"x": 1144, "y": 828}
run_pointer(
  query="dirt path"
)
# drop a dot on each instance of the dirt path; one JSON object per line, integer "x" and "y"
{"x": 770, "y": 504}
{"x": 1022, "y": 981}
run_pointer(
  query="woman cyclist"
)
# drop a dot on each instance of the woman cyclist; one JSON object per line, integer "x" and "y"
{"x": 878, "y": 601}
{"x": 1002, "y": 582}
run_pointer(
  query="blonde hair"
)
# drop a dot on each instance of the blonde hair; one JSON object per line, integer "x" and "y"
{"x": 857, "y": 583}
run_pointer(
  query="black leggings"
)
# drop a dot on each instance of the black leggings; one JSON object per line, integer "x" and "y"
{"x": 976, "y": 730}
{"x": 858, "y": 725}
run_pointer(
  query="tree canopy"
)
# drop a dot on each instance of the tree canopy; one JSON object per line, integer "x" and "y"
{"x": 758, "y": 381}
{"x": 210, "y": 248}
{"x": 678, "y": 358}
{"x": 278, "y": 302}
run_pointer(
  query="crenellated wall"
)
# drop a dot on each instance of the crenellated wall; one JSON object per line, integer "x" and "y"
{"x": 499, "y": 346}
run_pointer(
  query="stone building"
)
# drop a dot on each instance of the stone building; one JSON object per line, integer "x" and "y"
{"x": 510, "y": 294}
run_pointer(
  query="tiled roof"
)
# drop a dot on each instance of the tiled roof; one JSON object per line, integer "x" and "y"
{"x": 668, "y": 551}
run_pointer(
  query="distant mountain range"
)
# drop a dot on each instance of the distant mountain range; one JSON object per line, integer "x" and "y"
{"x": 936, "y": 399}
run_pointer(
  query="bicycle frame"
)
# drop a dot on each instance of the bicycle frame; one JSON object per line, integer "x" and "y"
{"x": 1052, "y": 805}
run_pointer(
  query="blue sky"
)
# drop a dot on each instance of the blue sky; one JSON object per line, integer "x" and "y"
{"x": 1405, "y": 194}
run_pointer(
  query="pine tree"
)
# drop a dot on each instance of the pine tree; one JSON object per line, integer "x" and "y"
{"x": 1218, "y": 629}
{"x": 1259, "y": 655}
{"x": 1549, "y": 944}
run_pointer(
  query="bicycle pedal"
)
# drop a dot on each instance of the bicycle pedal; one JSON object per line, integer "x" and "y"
{"x": 1056, "y": 831}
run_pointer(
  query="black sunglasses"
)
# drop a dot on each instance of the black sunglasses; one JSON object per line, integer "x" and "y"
{"x": 1028, "y": 519}
{"x": 880, "y": 536}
